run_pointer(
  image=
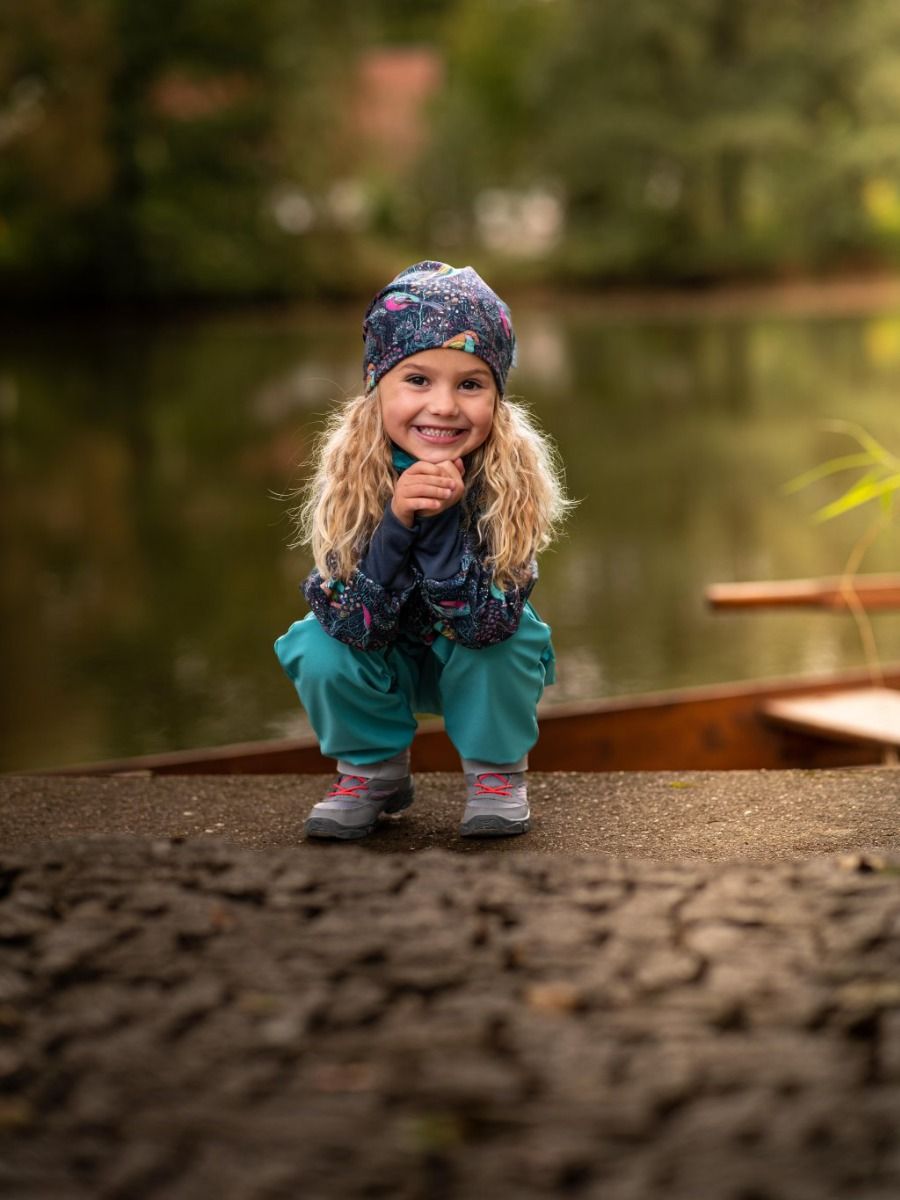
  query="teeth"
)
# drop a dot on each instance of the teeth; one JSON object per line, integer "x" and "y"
{"x": 437, "y": 432}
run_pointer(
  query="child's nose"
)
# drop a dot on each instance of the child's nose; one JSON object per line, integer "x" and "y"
{"x": 443, "y": 400}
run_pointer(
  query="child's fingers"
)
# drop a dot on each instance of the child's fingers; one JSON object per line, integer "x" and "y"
{"x": 426, "y": 487}
{"x": 455, "y": 476}
{"x": 421, "y": 468}
{"x": 451, "y": 466}
{"x": 450, "y": 470}
{"x": 427, "y": 492}
{"x": 430, "y": 488}
{"x": 427, "y": 501}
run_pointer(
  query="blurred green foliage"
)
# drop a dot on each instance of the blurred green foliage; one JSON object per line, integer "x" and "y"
{"x": 879, "y": 478}
{"x": 220, "y": 148}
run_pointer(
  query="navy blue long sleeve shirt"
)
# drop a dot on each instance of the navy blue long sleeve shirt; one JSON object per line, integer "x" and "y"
{"x": 433, "y": 544}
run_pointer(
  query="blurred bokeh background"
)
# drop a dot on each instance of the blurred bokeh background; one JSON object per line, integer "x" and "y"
{"x": 693, "y": 207}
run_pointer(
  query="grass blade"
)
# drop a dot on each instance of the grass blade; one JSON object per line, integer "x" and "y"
{"x": 870, "y": 444}
{"x": 866, "y": 489}
{"x": 823, "y": 470}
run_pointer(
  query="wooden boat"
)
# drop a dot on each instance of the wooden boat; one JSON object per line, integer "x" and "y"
{"x": 849, "y": 719}
{"x": 725, "y": 727}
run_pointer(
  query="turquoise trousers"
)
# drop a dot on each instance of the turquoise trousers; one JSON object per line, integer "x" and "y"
{"x": 361, "y": 703}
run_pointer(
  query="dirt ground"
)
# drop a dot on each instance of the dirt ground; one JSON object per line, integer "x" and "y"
{"x": 183, "y": 1016}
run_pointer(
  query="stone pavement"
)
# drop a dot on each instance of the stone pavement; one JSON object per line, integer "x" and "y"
{"x": 181, "y": 1020}
{"x": 762, "y": 816}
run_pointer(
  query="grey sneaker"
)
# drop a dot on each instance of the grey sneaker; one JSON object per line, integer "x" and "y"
{"x": 496, "y": 805}
{"x": 354, "y": 804}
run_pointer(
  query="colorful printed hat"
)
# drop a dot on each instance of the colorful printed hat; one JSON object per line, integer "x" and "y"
{"x": 432, "y": 306}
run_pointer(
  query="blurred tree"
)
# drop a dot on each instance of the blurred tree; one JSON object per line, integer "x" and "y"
{"x": 167, "y": 149}
{"x": 56, "y": 59}
{"x": 693, "y": 139}
{"x": 231, "y": 148}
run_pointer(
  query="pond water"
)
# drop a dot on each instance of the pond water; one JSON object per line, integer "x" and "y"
{"x": 144, "y": 564}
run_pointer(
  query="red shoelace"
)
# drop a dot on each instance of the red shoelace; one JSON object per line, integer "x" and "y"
{"x": 483, "y": 789}
{"x": 352, "y": 791}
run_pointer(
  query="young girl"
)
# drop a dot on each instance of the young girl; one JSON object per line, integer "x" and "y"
{"x": 431, "y": 496}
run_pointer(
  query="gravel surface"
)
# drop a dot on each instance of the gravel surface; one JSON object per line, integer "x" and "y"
{"x": 192, "y": 1019}
{"x": 183, "y": 1021}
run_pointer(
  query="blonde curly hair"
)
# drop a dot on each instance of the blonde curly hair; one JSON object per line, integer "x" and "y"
{"x": 514, "y": 487}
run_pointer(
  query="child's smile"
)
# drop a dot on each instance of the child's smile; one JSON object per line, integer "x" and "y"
{"x": 438, "y": 404}
{"x": 433, "y": 433}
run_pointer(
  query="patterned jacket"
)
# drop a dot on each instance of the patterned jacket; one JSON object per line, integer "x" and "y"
{"x": 468, "y": 607}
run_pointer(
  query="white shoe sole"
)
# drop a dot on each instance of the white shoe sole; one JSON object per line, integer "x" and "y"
{"x": 490, "y": 825}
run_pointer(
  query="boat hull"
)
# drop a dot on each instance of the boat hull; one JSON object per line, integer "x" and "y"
{"x": 697, "y": 729}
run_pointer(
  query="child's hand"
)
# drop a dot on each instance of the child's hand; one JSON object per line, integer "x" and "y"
{"x": 427, "y": 489}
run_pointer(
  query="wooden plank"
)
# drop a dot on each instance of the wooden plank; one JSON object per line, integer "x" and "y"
{"x": 873, "y": 592}
{"x": 870, "y": 716}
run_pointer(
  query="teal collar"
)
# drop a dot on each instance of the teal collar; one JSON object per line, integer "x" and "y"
{"x": 400, "y": 458}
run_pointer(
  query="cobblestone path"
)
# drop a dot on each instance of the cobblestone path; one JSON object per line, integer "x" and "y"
{"x": 197, "y": 1021}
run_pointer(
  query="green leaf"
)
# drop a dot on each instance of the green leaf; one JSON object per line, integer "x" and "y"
{"x": 861, "y": 493}
{"x": 870, "y": 444}
{"x": 831, "y": 467}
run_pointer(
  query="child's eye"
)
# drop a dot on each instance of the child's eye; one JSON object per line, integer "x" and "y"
{"x": 416, "y": 380}
{"x": 472, "y": 385}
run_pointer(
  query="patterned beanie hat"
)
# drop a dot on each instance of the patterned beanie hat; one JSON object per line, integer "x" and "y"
{"x": 432, "y": 306}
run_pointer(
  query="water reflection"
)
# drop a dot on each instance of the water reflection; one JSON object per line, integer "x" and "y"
{"x": 145, "y": 573}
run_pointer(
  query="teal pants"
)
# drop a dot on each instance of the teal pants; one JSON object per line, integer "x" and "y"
{"x": 361, "y": 703}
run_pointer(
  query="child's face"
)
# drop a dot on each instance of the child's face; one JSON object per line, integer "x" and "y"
{"x": 438, "y": 404}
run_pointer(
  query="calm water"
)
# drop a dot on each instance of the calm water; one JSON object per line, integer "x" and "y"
{"x": 144, "y": 569}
